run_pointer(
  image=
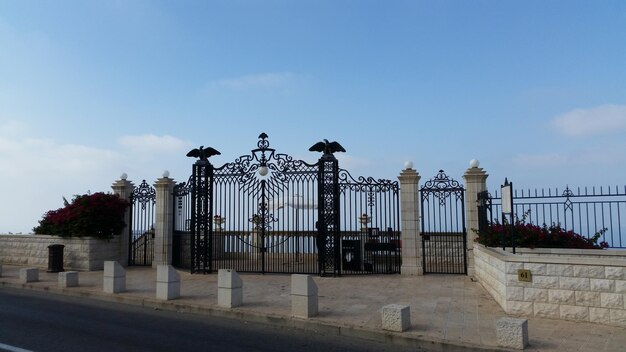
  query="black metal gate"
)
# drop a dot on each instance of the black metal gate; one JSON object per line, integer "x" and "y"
{"x": 370, "y": 238}
{"x": 265, "y": 213}
{"x": 142, "y": 220}
{"x": 268, "y": 213}
{"x": 181, "y": 241}
{"x": 444, "y": 247}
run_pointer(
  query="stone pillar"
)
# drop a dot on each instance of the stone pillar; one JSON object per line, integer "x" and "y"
{"x": 114, "y": 277}
{"x": 512, "y": 333}
{"x": 396, "y": 317}
{"x": 164, "y": 228}
{"x": 410, "y": 223}
{"x": 168, "y": 283}
{"x": 229, "y": 289}
{"x": 304, "y": 300}
{"x": 68, "y": 279}
{"x": 124, "y": 189}
{"x": 475, "y": 182}
{"x": 29, "y": 275}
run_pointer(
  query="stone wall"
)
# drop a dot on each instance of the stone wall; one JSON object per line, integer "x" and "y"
{"x": 79, "y": 253}
{"x": 579, "y": 285}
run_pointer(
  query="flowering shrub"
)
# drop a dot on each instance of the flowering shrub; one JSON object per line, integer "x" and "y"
{"x": 533, "y": 236}
{"x": 99, "y": 215}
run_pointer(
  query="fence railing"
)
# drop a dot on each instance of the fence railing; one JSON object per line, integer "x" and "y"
{"x": 583, "y": 210}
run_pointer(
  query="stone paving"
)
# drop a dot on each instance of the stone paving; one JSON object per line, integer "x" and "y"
{"x": 445, "y": 309}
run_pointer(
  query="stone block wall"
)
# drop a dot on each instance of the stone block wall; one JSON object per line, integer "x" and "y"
{"x": 578, "y": 285}
{"x": 84, "y": 253}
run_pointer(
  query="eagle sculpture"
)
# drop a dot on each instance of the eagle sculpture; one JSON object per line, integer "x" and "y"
{"x": 203, "y": 154}
{"x": 327, "y": 147}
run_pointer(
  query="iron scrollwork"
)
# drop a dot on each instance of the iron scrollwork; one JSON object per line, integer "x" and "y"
{"x": 264, "y": 174}
{"x": 567, "y": 193}
{"x": 144, "y": 194}
{"x": 441, "y": 187}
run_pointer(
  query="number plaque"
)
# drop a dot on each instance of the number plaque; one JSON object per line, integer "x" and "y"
{"x": 524, "y": 275}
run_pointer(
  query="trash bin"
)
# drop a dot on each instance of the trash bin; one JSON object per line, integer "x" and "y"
{"x": 55, "y": 258}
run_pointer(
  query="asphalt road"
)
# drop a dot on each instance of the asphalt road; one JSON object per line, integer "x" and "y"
{"x": 37, "y": 321}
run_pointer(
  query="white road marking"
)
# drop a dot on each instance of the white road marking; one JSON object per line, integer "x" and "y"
{"x": 12, "y": 348}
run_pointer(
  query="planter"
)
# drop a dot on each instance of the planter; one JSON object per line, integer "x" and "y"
{"x": 569, "y": 284}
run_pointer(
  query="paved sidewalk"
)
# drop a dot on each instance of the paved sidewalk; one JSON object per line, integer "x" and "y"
{"x": 445, "y": 309}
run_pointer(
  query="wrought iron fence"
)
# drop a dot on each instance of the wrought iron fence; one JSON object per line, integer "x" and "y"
{"x": 583, "y": 210}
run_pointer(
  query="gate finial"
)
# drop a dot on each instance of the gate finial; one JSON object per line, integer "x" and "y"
{"x": 202, "y": 154}
{"x": 327, "y": 147}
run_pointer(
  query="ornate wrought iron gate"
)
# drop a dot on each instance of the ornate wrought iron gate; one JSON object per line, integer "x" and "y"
{"x": 181, "y": 242}
{"x": 141, "y": 238}
{"x": 266, "y": 212}
{"x": 370, "y": 216}
{"x": 443, "y": 226}
{"x": 264, "y": 217}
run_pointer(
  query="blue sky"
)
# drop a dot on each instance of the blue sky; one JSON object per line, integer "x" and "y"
{"x": 535, "y": 90}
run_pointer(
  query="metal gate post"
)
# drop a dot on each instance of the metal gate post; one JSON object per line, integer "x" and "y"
{"x": 201, "y": 210}
{"x": 328, "y": 238}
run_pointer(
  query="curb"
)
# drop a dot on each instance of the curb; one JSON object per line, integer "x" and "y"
{"x": 311, "y": 325}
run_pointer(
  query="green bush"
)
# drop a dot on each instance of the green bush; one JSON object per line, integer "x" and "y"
{"x": 98, "y": 215}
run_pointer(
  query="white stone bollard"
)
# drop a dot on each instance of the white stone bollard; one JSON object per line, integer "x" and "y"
{"x": 68, "y": 279}
{"x": 114, "y": 277}
{"x": 168, "y": 283}
{"x": 229, "y": 289}
{"x": 512, "y": 333}
{"x": 396, "y": 317}
{"x": 304, "y": 302}
{"x": 29, "y": 275}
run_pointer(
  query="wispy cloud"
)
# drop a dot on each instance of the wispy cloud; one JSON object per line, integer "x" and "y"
{"x": 257, "y": 81}
{"x": 353, "y": 163}
{"x": 606, "y": 155}
{"x": 536, "y": 161}
{"x": 41, "y": 171}
{"x": 150, "y": 143}
{"x": 600, "y": 120}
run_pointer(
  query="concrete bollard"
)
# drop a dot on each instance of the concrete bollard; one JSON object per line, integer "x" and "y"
{"x": 29, "y": 275}
{"x": 512, "y": 333}
{"x": 229, "y": 289}
{"x": 114, "y": 277}
{"x": 168, "y": 283}
{"x": 68, "y": 279}
{"x": 396, "y": 317}
{"x": 304, "y": 301}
